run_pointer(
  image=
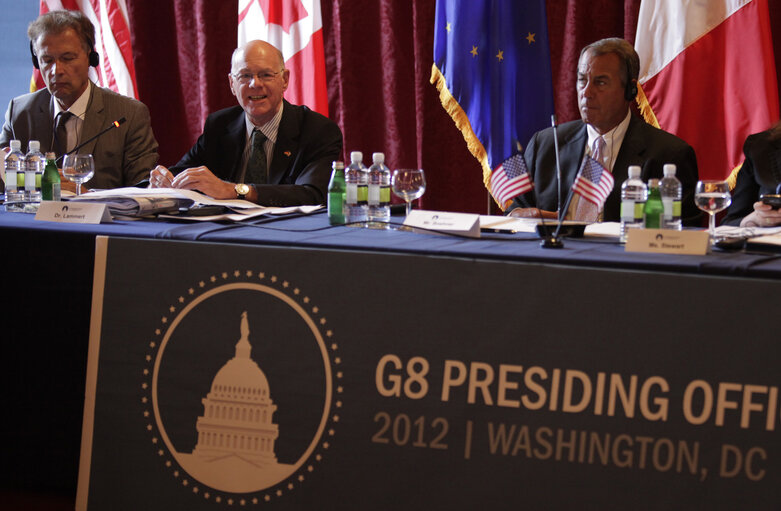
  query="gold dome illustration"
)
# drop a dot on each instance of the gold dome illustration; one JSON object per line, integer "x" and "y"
{"x": 236, "y": 433}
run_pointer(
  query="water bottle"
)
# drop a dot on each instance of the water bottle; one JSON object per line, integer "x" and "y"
{"x": 51, "y": 182}
{"x": 34, "y": 167}
{"x": 379, "y": 190}
{"x": 336, "y": 192}
{"x": 357, "y": 194}
{"x": 633, "y": 195}
{"x": 14, "y": 178}
{"x": 653, "y": 211}
{"x": 671, "y": 191}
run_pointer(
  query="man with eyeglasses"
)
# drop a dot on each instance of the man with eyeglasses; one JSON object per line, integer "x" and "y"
{"x": 264, "y": 150}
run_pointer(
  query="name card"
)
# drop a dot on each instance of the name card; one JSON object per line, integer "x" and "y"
{"x": 73, "y": 212}
{"x": 668, "y": 241}
{"x": 444, "y": 221}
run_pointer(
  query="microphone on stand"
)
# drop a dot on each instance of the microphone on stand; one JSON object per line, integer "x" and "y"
{"x": 553, "y": 240}
{"x": 115, "y": 124}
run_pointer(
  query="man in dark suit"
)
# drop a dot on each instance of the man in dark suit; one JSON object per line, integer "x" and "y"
{"x": 63, "y": 49}
{"x": 264, "y": 150}
{"x": 606, "y": 85}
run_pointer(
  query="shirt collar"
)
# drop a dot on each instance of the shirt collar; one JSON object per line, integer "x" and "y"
{"x": 79, "y": 107}
{"x": 270, "y": 129}
{"x": 613, "y": 139}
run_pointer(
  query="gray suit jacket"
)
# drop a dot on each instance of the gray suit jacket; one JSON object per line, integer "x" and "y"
{"x": 123, "y": 156}
{"x": 643, "y": 145}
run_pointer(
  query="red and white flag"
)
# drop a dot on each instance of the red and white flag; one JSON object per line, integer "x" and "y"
{"x": 112, "y": 42}
{"x": 707, "y": 74}
{"x": 296, "y": 28}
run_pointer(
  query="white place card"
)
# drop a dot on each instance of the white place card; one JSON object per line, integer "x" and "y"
{"x": 73, "y": 212}
{"x": 668, "y": 241}
{"x": 445, "y": 221}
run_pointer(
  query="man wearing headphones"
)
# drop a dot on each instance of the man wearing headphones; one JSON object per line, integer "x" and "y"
{"x": 72, "y": 109}
{"x": 608, "y": 132}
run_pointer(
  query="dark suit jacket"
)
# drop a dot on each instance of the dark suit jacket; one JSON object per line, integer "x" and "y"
{"x": 643, "y": 145}
{"x": 759, "y": 174}
{"x": 307, "y": 144}
{"x": 123, "y": 156}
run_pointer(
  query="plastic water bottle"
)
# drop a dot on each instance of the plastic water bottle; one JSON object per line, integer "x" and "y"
{"x": 671, "y": 191}
{"x": 633, "y": 196}
{"x": 14, "y": 177}
{"x": 379, "y": 190}
{"x": 336, "y": 192}
{"x": 357, "y": 194}
{"x": 35, "y": 163}
{"x": 653, "y": 211}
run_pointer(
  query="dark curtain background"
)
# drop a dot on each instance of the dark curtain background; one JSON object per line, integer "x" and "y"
{"x": 378, "y": 61}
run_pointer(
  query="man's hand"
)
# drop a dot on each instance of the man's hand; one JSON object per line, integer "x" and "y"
{"x": 533, "y": 213}
{"x": 160, "y": 177}
{"x": 203, "y": 180}
{"x": 763, "y": 216}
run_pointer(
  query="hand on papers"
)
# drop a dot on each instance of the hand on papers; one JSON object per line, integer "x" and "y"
{"x": 533, "y": 213}
{"x": 195, "y": 178}
{"x": 762, "y": 216}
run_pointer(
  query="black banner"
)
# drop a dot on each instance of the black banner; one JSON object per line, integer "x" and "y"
{"x": 224, "y": 376}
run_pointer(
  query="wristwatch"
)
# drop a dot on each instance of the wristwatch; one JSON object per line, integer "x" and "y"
{"x": 242, "y": 189}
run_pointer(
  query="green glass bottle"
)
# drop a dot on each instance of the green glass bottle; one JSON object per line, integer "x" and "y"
{"x": 653, "y": 212}
{"x": 336, "y": 192}
{"x": 50, "y": 182}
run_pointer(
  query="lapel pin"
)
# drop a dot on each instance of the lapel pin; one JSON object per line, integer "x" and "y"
{"x": 287, "y": 153}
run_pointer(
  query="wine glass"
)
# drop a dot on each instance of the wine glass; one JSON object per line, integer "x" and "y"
{"x": 78, "y": 168}
{"x": 408, "y": 185}
{"x": 712, "y": 196}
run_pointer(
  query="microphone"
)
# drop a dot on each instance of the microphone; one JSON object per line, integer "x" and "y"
{"x": 115, "y": 124}
{"x": 553, "y": 240}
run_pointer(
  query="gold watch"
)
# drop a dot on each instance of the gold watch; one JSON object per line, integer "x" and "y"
{"x": 242, "y": 189}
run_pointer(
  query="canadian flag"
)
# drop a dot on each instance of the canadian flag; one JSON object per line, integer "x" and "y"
{"x": 295, "y": 27}
{"x": 112, "y": 42}
{"x": 707, "y": 74}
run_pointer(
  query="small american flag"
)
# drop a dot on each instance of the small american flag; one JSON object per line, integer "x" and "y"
{"x": 594, "y": 183}
{"x": 510, "y": 179}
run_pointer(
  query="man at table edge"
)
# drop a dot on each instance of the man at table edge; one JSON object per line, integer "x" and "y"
{"x": 606, "y": 86}
{"x": 265, "y": 149}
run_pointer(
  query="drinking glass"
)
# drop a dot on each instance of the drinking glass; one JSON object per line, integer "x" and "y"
{"x": 712, "y": 196}
{"x": 79, "y": 168}
{"x": 408, "y": 185}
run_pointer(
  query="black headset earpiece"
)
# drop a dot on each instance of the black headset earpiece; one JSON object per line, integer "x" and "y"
{"x": 630, "y": 93}
{"x": 93, "y": 56}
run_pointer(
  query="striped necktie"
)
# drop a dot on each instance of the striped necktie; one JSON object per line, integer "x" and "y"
{"x": 257, "y": 171}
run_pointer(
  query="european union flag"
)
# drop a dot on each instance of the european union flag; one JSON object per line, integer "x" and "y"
{"x": 492, "y": 69}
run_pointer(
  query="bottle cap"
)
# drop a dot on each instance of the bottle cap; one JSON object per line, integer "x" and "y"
{"x": 653, "y": 183}
{"x": 34, "y": 146}
{"x": 669, "y": 169}
{"x": 51, "y": 156}
{"x": 356, "y": 156}
{"x": 378, "y": 157}
{"x": 338, "y": 165}
{"x": 634, "y": 171}
{"x": 16, "y": 145}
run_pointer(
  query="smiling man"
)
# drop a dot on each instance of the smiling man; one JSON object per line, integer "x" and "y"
{"x": 606, "y": 87}
{"x": 72, "y": 109}
{"x": 265, "y": 149}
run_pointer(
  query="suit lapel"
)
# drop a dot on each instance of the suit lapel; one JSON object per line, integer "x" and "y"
{"x": 94, "y": 120}
{"x": 43, "y": 122}
{"x": 232, "y": 142}
{"x": 287, "y": 144}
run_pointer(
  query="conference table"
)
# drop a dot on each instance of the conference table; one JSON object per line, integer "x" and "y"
{"x": 399, "y": 369}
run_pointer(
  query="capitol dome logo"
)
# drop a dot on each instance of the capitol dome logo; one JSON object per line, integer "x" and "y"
{"x": 243, "y": 388}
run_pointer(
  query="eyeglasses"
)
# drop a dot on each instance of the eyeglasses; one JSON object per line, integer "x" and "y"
{"x": 263, "y": 76}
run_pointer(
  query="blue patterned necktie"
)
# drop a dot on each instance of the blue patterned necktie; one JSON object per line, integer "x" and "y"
{"x": 257, "y": 172}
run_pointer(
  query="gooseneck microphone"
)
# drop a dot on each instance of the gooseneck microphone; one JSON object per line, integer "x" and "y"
{"x": 115, "y": 124}
{"x": 553, "y": 240}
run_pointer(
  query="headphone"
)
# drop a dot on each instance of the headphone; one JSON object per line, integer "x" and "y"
{"x": 630, "y": 91}
{"x": 93, "y": 56}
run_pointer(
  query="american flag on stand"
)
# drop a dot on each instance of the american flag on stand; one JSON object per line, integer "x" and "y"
{"x": 510, "y": 179}
{"x": 112, "y": 42}
{"x": 594, "y": 183}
